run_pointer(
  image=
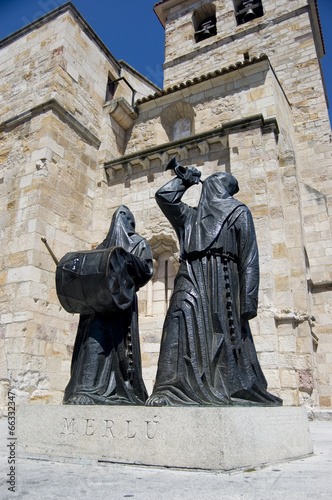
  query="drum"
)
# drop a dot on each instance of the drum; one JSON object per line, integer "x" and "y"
{"x": 95, "y": 281}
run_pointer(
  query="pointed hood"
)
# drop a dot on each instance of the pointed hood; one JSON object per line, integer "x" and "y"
{"x": 215, "y": 207}
{"x": 122, "y": 231}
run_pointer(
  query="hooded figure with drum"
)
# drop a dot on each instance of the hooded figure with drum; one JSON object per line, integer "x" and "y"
{"x": 101, "y": 285}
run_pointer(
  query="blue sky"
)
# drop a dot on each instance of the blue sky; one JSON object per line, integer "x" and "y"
{"x": 132, "y": 31}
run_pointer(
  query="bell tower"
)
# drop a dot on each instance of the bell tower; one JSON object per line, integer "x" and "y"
{"x": 205, "y": 36}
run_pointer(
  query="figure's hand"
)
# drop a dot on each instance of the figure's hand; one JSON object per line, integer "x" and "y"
{"x": 192, "y": 176}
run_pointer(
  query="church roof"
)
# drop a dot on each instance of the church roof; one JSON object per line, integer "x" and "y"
{"x": 202, "y": 78}
{"x": 320, "y": 26}
{"x": 159, "y": 12}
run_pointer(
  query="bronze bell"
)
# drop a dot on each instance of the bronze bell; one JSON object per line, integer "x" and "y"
{"x": 249, "y": 15}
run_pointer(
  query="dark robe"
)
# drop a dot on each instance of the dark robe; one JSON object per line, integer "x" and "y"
{"x": 207, "y": 353}
{"x": 106, "y": 363}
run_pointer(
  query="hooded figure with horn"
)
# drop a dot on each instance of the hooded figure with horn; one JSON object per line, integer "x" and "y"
{"x": 207, "y": 353}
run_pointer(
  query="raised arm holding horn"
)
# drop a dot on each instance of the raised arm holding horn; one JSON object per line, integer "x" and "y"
{"x": 207, "y": 354}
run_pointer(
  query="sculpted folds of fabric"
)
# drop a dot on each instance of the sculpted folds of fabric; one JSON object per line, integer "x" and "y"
{"x": 106, "y": 363}
{"x": 207, "y": 354}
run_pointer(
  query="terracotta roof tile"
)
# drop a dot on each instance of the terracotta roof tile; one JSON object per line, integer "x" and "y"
{"x": 202, "y": 78}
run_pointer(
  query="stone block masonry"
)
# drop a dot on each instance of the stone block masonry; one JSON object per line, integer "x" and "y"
{"x": 67, "y": 164}
{"x": 53, "y": 80}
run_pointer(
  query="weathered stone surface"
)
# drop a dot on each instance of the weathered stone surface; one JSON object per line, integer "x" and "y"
{"x": 53, "y": 184}
{"x": 194, "y": 438}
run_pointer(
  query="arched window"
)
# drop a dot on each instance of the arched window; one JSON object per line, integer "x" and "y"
{"x": 181, "y": 128}
{"x": 162, "y": 284}
{"x": 111, "y": 87}
{"x": 247, "y": 10}
{"x": 178, "y": 120}
{"x": 155, "y": 296}
{"x": 205, "y": 23}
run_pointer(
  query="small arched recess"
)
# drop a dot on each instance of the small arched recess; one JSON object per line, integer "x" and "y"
{"x": 178, "y": 120}
{"x": 166, "y": 264}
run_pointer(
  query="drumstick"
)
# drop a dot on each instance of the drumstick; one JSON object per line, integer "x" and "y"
{"x": 50, "y": 251}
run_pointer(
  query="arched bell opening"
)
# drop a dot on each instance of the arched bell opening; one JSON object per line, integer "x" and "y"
{"x": 205, "y": 23}
{"x": 247, "y": 10}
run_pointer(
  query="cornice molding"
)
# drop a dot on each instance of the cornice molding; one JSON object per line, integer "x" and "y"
{"x": 54, "y": 106}
{"x": 181, "y": 146}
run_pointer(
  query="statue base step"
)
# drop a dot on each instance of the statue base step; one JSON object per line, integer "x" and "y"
{"x": 223, "y": 438}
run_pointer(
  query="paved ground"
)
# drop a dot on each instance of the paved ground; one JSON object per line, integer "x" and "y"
{"x": 300, "y": 479}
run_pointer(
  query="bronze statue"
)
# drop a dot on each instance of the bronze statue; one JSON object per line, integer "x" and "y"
{"x": 101, "y": 285}
{"x": 207, "y": 354}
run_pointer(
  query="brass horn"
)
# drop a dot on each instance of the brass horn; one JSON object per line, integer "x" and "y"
{"x": 179, "y": 169}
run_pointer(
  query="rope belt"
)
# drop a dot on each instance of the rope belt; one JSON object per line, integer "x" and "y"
{"x": 226, "y": 256}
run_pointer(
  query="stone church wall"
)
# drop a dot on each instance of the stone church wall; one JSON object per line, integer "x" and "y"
{"x": 53, "y": 81}
{"x": 263, "y": 119}
{"x": 287, "y": 35}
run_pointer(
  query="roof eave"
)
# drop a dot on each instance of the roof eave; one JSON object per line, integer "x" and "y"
{"x": 202, "y": 78}
{"x": 161, "y": 7}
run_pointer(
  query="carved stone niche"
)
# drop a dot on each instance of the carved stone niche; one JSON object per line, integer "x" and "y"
{"x": 121, "y": 112}
{"x": 162, "y": 245}
{"x": 178, "y": 120}
{"x": 166, "y": 264}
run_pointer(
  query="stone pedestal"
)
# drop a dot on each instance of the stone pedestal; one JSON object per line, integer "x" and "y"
{"x": 193, "y": 438}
